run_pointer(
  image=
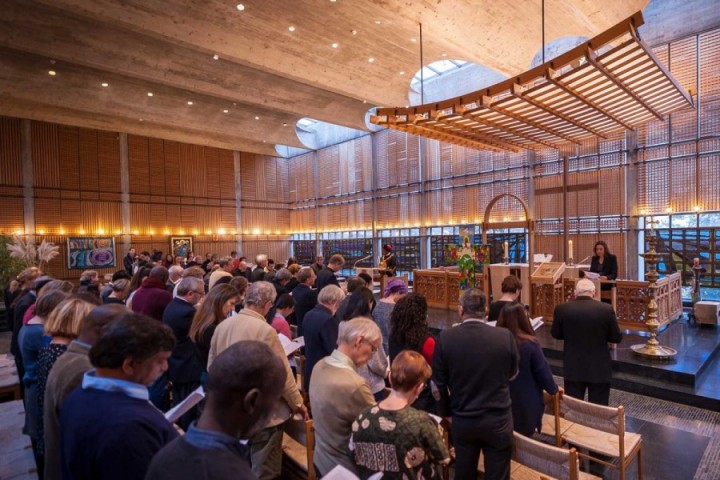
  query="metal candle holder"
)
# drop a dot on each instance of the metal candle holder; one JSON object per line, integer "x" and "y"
{"x": 652, "y": 349}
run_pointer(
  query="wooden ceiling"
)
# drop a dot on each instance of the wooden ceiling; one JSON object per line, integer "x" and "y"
{"x": 263, "y": 70}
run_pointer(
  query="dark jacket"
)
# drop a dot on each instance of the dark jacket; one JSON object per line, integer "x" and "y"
{"x": 609, "y": 267}
{"x": 586, "y": 326}
{"x": 258, "y": 274}
{"x": 526, "y": 390}
{"x": 128, "y": 264}
{"x": 152, "y": 298}
{"x": 475, "y": 362}
{"x": 324, "y": 278}
{"x": 183, "y": 364}
{"x": 305, "y": 300}
{"x": 321, "y": 333}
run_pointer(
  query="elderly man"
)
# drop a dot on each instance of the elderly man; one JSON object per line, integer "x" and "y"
{"x": 586, "y": 326}
{"x": 326, "y": 276}
{"x": 304, "y": 295}
{"x": 174, "y": 276}
{"x": 226, "y": 267}
{"x": 195, "y": 272}
{"x": 474, "y": 388}
{"x": 250, "y": 324}
{"x": 338, "y": 394}
{"x": 67, "y": 374}
{"x": 152, "y": 297}
{"x": 258, "y": 274}
{"x": 184, "y": 367}
{"x": 108, "y": 428}
{"x": 244, "y": 386}
{"x": 320, "y": 329}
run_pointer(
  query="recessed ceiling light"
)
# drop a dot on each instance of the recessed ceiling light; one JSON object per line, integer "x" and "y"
{"x": 364, "y": 101}
{"x": 291, "y": 28}
{"x": 240, "y": 7}
{"x": 284, "y": 124}
{"x": 189, "y": 103}
{"x": 444, "y": 54}
{"x": 371, "y": 60}
{"x": 140, "y": 120}
{"x": 334, "y": 45}
{"x": 105, "y": 84}
{"x": 402, "y": 73}
{"x": 225, "y": 111}
{"x": 377, "y": 22}
{"x": 52, "y": 73}
{"x": 257, "y": 118}
{"x": 216, "y": 57}
{"x": 150, "y": 94}
{"x": 353, "y": 31}
{"x": 413, "y": 40}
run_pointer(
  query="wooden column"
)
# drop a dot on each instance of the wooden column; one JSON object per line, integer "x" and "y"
{"x": 125, "y": 192}
{"x": 632, "y": 236}
{"x": 566, "y": 222}
{"x": 28, "y": 178}
{"x": 238, "y": 202}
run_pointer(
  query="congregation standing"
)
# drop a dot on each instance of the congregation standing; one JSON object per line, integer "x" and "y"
{"x": 100, "y": 365}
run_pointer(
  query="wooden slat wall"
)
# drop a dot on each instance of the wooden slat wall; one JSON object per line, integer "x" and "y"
{"x": 12, "y": 217}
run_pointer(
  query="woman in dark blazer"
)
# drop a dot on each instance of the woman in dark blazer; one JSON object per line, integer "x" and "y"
{"x": 604, "y": 263}
{"x": 526, "y": 390}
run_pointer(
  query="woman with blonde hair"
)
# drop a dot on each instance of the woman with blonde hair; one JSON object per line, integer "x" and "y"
{"x": 120, "y": 289}
{"x": 393, "y": 425}
{"x": 62, "y": 326}
{"x": 215, "y": 308}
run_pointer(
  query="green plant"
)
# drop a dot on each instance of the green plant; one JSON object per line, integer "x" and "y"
{"x": 9, "y": 265}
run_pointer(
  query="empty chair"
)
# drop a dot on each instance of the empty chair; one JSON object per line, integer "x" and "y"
{"x": 533, "y": 459}
{"x": 298, "y": 446}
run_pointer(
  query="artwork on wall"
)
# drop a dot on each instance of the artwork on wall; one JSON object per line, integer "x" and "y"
{"x": 91, "y": 252}
{"x": 181, "y": 246}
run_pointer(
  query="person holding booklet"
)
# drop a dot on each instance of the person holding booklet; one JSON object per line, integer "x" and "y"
{"x": 526, "y": 390}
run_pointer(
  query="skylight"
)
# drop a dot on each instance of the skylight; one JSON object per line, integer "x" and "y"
{"x": 436, "y": 69}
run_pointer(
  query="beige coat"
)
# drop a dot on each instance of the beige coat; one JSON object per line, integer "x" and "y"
{"x": 250, "y": 325}
{"x": 337, "y": 396}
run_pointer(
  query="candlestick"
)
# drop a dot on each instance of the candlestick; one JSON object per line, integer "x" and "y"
{"x": 506, "y": 256}
{"x": 570, "y": 249}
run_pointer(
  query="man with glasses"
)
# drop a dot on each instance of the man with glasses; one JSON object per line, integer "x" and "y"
{"x": 250, "y": 324}
{"x": 338, "y": 393}
{"x": 184, "y": 368}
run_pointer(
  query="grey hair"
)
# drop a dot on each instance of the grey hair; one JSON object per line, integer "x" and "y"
{"x": 260, "y": 293}
{"x": 224, "y": 261}
{"x": 120, "y": 285}
{"x": 350, "y": 330}
{"x": 473, "y": 302}
{"x": 189, "y": 284}
{"x": 283, "y": 274}
{"x": 261, "y": 258}
{"x": 88, "y": 275}
{"x": 175, "y": 270}
{"x": 304, "y": 273}
{"x": 331, "y": 295}
{"x": 585, "y": 286}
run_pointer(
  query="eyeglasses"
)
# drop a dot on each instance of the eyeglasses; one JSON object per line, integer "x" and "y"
{"x": 372, "y": 347}
{"x": 202, "y": 294}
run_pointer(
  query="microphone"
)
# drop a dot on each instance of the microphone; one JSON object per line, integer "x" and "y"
{"x": 362, "y": 259}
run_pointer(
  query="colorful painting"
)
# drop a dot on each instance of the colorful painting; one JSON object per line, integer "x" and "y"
{"x": 181, "y": 246}
{"x": 468, "y": 258}
{"x": 91, "y": 252}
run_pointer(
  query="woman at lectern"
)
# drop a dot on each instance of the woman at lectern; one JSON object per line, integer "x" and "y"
{"x": 604, "y": 264}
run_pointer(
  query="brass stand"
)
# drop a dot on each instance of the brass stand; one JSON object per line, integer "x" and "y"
{"x": 506, "y": 260}
{"x": 652, "y": 349}
{"x": 571, "y": 262}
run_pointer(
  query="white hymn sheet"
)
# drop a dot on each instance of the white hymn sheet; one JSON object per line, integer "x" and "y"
{"x": 183, "y": 407}
{"x": 537, "y": 322}
{"x": 288, "y": 345}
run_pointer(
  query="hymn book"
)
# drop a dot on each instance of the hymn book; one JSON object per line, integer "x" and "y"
{"x": 183, "y": 407}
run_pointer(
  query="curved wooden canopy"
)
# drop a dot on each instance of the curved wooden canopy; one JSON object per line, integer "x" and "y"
{"x": 608, "y": 83}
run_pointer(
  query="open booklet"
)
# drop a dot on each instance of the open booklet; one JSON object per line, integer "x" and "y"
{"x": 290, "y": 346}
{"x": 342, "y": 473}
{"x": 591, "y": 275}
{"x": 536, "y": 323}
{"x": 183, "y": 407}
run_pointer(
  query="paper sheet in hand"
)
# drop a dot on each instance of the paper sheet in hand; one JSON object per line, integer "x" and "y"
{"x": 183, "y": 407}
{"x": 288, "y": 345}
{"x": 537, "y": 322}
{"x": 342, "y": 473}
{"x": 592, "y": 275}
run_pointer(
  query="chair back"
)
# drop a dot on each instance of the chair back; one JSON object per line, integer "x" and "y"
{"x": 599, "y": 417}
{"x": 546, "y": 459}
{"x": 552, "y": 407}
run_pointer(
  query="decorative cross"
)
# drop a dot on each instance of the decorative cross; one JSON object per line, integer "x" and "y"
{"x": 652, "y": 223}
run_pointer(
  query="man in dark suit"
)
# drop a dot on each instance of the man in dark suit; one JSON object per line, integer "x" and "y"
{"x": 472, "y": 367}
{"x": 326, "y": 276}
{"x": 305, "y": 297}
{"x": 259, "y": 273}
{"x": 586, "y": 326}
{"x": 321, "y": 329}
{"x": 184, "y": 368}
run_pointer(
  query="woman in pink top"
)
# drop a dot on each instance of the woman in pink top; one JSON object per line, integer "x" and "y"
{"x": 284, "y": 306}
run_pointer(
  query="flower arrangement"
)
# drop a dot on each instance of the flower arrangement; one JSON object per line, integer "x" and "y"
{"x": 31, "y": 255}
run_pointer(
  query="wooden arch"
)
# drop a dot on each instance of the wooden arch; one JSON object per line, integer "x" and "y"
{"x": 527, "y": 224}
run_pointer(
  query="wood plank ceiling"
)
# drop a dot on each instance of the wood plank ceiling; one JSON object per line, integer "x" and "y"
{"x": 250, "y": 64}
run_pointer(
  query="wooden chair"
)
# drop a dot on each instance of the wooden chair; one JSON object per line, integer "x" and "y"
{"x": 601, "y": 430}
{"x": 533, "y": 459}
{"x": 298, "y": 446}
{"x": 553, "y": 425}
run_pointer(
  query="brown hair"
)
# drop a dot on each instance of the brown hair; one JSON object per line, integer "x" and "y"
{"x": 515, "y": 318}
{"x": 210, "y": 313}
{"x": 408, "y": 370}
{"x": 511, "y": 284}
{"x": 66, "y": 318}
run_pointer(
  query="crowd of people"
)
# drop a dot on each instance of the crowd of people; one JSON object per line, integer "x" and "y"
{"x": 100, "y": 363}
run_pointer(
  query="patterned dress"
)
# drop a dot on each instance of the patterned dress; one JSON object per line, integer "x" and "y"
{"x": 46, "y": 359}
{"x": 404, "y": 444}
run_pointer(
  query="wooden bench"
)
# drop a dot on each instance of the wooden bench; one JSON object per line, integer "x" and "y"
{"x": 16, "y": 456}
{"x": 9, "y": 380}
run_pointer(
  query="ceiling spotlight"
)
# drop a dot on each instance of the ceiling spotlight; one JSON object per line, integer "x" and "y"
{"x": 444, "y": 54}
{"x": 105, "y": 84}
{"x": 371, "y": 60}
{"x": 353, "y": 31}
{"x": 225, "y": 111}
{"x": 140, "y": 120}
{"x": 284, "y": 124}
{"x": 216, "y": 57}
{"x": 257, "y": 118}
{"x": 240, "y": 7}
{"x": 189, "y": 103}
{"x": 364, "y": 101}
{"x": 150, "y": 94}
{"x": 52, "y": 73}
{"x": 402, "y": 73}
{"x": 334, "y": 45}
{"x": 377, "y": 22}
{"x": 291, "y": 28}
{"x": 413, "y": 40}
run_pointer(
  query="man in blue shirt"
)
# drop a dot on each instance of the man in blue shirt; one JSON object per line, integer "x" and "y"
{"x": 108, "y": 427}
{"x": 244, "y": 386}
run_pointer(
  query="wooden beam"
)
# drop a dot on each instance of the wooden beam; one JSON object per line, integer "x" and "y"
{"x": 467, "y": 113}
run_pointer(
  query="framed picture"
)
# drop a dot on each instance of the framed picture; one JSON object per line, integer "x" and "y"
{"x": 181, "y": 246}
{"x": 91, "y": 252}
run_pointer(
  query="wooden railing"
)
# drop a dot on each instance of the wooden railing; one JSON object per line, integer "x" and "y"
{"x": 441, "y": 286}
